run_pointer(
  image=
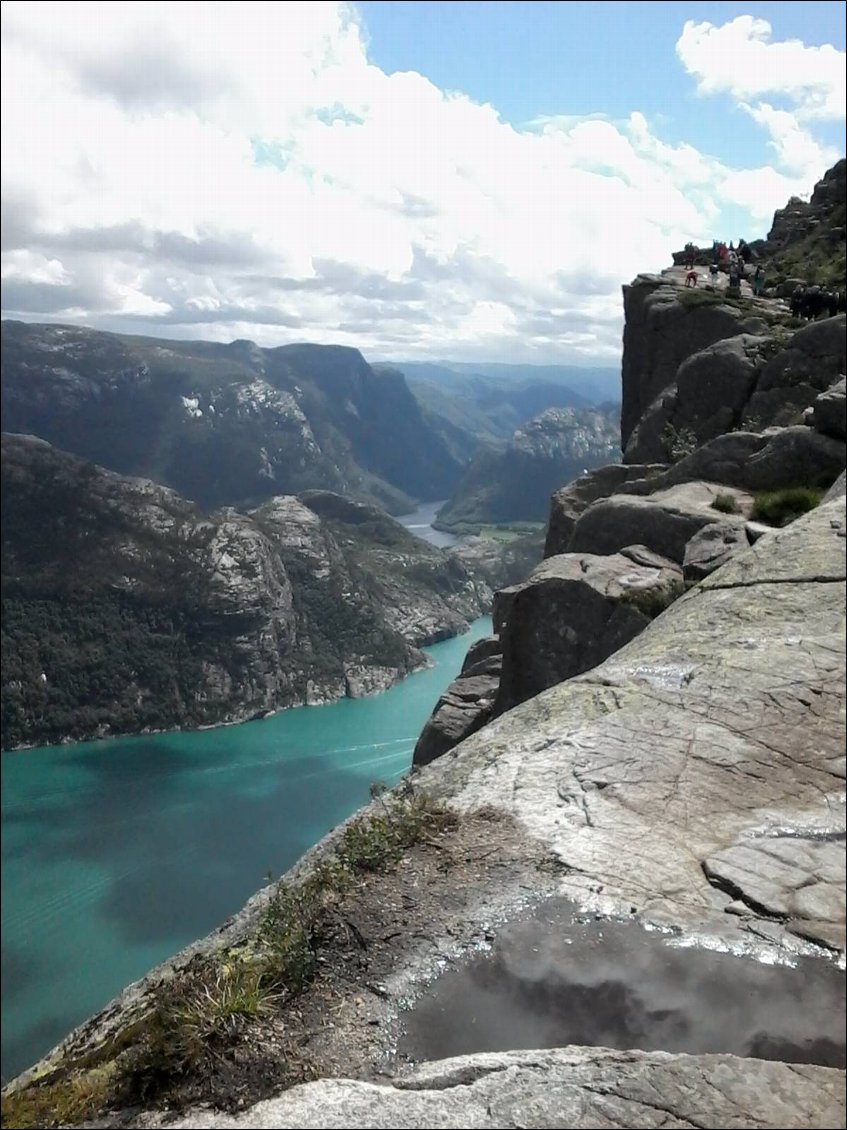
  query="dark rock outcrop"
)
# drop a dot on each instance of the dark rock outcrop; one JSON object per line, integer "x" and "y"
{"x": 828, "y": 411}
{"x": 810, "y": 361}
{"x": 754, "y": 461}
{"x": 663, "y": 328}
{"x": 569, "y": 501}
{"x": 467, "y": 704}
{"x": 706, "y": 399}
{"x": 711, "y": 547}
{"x": 750, "y": 381}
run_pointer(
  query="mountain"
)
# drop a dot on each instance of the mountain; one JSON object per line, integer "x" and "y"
{"x": 513, "y": 482}
{"x": 125, "y": 607}
{"x": 807, "y": 239}
{"x": 225, "y": 424}
{"x": 470, "y": 405}
{"x": 591, "y": 384}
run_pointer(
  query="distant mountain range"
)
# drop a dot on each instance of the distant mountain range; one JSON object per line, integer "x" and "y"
{"x": 225, "y": 424}
{"x": 512, "y": 482}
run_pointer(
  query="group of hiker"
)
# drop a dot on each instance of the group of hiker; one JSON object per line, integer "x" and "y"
{"x": 807, "y": 302}
{"x": 730, "y": 259}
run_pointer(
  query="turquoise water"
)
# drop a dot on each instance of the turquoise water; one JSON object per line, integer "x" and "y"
{"x": 118, "y": 853}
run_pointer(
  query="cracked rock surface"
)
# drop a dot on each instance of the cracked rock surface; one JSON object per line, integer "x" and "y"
{"x": 575, "y": 1087}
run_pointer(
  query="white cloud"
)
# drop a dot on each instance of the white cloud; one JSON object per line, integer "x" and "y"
{"x": 243, "y": 170}
{"x": 739, "y": 59}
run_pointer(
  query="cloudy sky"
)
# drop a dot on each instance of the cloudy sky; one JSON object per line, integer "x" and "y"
{"x": 419, "y": 180}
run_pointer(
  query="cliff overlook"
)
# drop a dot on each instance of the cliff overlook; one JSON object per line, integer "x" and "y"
{"x": 619, "y": 901}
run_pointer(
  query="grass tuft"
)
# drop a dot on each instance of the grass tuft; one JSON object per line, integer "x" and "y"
{"x": 726, "y": 503}
{"x": 779, "y": 507}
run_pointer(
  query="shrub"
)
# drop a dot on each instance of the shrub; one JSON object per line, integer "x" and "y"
{"x": 725, "y": 502}
{"x": 779, "y": 507}
{"x": 197, "y": 1012}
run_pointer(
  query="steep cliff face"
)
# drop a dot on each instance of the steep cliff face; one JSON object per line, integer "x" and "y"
{"x": 125, "y": 607}
{"x": 696, "y": 366}
{"x": 224, "y": 424}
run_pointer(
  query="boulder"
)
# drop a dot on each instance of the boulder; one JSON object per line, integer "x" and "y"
{"x": 711, "y": 547}
{"x": 665, "y": 521}
{"x": 574, "y": 611}
{"x": 754, "y": 461}
{"x": 812, "y": 361}
{"x": 663, "y": 327}
{"x": 828, "y": 411}
{"x": 787, "y": 287}
{"x": 464, "y": 708}
{"x": 483, "y": 657}
{"x": 568, "y": 503}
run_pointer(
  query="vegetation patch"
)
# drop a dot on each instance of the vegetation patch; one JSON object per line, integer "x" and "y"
{"x": 726, "y": 503}
{"x": 779, "y": 507}
{"x": 66, "y": 1101}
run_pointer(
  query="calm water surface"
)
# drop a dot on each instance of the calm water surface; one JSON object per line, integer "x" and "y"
{"x": 419, "y": 522}
{"x": 118, "y": 853}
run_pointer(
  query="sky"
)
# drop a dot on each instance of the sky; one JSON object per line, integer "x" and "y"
{"x": 419, "y": 180}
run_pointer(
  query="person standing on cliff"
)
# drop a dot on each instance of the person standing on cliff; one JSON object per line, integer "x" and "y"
{"x": 759, "y": 279}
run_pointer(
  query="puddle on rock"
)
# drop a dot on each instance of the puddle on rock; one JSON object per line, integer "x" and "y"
{"x": 555, "y": 979}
